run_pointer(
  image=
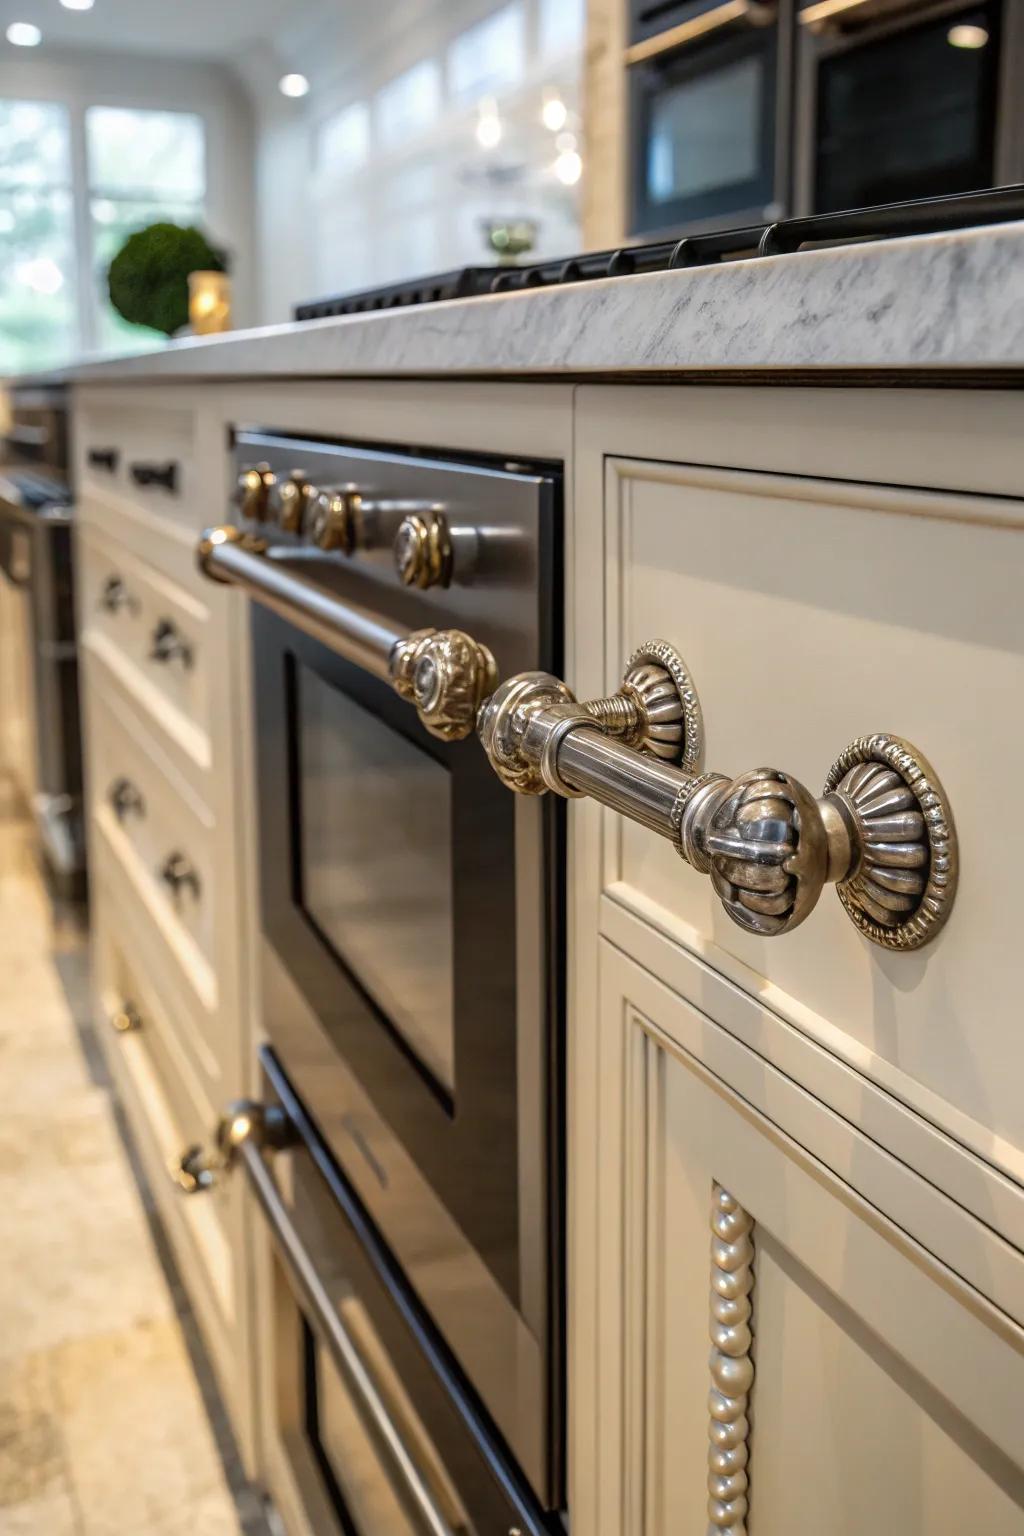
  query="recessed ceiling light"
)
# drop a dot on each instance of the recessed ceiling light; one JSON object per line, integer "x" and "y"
{"x": 78, "y": 5}
{"x": 293, "y": 85}
{"x": 966, "y": 35}
{"x": 24, "y": 34}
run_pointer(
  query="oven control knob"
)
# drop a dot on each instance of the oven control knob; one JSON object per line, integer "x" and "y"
{"x": 423, "y": 550}
{"x": 337, "y": 520}
{"x": 253, "y": 490}
{"x": 291, "y": 501}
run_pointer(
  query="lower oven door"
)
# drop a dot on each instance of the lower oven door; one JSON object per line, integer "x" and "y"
{"x": 373, "y": 1430}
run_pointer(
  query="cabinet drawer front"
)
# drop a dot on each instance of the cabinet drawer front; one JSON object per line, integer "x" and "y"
{"x": 869, "y": 1386}
{"x": 157, "y": 829}
{"x": 811, "y": 613}
{"x": 154, "y": 634}
{"x": 168, "y": 1112}
{"x": 141, "y": 454}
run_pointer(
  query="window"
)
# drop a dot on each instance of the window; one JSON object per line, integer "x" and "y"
{"x": 143, "y": 166}
{"x": 408, "y": 104}
{"x": 343, "y": 141}
{"x": 140, "y": 166}
{"x": 562, "y": 26}
{"x": 38, "y": 320}
{"x": 489, "y": 56}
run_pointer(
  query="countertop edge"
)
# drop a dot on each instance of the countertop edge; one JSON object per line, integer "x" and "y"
{"x": 948, "y": 304}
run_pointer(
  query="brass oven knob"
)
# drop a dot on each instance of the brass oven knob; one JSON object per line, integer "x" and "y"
{"x": 291, "y": 502}
{"x": 423, "y": 550}
{"x": 446, "y": 676}
{"x": 253, "y": 490}
{"x": 337, "y": 521}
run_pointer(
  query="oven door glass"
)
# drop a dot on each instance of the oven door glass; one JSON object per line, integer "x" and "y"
{"x": 908, "y": 114}
{"x": 376, "y": 855}
{"x": 388, "y": 892}
{"x": 704, "y": 131}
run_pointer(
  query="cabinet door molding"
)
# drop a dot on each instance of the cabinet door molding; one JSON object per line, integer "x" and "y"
{"x": 860, "y": 1382}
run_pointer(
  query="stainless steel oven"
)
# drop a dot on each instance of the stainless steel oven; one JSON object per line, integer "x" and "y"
{"x": 36, "y": 556}
{"x": 710, "y": 107}
{"x": 902, "y": 99}
{"x": 374, "y": 1432}
{"x": 411, "y": 909}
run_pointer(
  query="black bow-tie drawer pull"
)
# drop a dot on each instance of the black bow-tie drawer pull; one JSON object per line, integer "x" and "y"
{"x": 126, "y": 799}
{"x": 165, "y": 475}
{"x": 168, "y": 644}
{"x": 115, "y": 597}
{"x": 104, "y": 458}
{"x": 179, "y": 873}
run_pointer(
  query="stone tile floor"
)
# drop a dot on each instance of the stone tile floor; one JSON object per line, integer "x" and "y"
{"x": 106, "y": 1426}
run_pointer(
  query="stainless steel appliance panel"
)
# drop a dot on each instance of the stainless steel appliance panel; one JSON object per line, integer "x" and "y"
{"x": 378, "y": 1428}
{"x": 36, "y": 554}
{"x": 412, "y": 910}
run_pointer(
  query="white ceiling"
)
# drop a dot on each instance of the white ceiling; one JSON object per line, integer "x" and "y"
{"x": 207, "y": 29}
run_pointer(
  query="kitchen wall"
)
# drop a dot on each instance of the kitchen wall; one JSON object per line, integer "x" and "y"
{"x": 380, "y": 172}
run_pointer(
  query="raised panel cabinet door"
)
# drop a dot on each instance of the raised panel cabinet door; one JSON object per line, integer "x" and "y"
{"x": 812, "y": 612}
{"x": 774, "y": 1354}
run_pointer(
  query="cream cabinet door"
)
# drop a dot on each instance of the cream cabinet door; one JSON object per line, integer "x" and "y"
{"x": 773, "y": 1352}
{"x": 830, "y": 564}
{"x": 813, "y": 610}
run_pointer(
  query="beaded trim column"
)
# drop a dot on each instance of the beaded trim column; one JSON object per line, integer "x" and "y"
{"x": 732, "y": 1370}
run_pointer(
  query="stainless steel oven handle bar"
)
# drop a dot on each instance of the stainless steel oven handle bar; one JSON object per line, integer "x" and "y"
{"x": 882, "y": 831}
{"x": 248, "y": 1131}
{"x": 445, "y": 676}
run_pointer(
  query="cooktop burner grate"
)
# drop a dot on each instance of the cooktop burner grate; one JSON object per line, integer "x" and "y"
{"x": 996, "y": 205}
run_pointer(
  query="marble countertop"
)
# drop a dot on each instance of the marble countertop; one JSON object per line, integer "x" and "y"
{"x": 945, "y": 302}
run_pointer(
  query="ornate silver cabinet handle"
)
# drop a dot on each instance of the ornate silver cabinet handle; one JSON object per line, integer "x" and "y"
{"x": 882, "y": 831}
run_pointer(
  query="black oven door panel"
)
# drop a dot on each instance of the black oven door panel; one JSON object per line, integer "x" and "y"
{"x": 449, "y": 1096}
{"x": 380, "y": 1434}
{"x": 907, "y": 110}
{"x": 453, "y": 1139}
{"x": 703, "y": 131}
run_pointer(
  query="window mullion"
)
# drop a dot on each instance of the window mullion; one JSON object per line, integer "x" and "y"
{"x": 88, "y": 328}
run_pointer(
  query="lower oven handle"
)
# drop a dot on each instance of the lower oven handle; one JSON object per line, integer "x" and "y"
{"x": 338, "y": 1340}
{"x": 447, "y": 687}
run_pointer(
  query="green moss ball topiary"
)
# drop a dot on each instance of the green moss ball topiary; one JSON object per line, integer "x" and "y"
{"x": 148, "y": 278}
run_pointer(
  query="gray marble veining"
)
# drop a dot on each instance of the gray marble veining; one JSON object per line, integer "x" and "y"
{"x": 947, "y": 301}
